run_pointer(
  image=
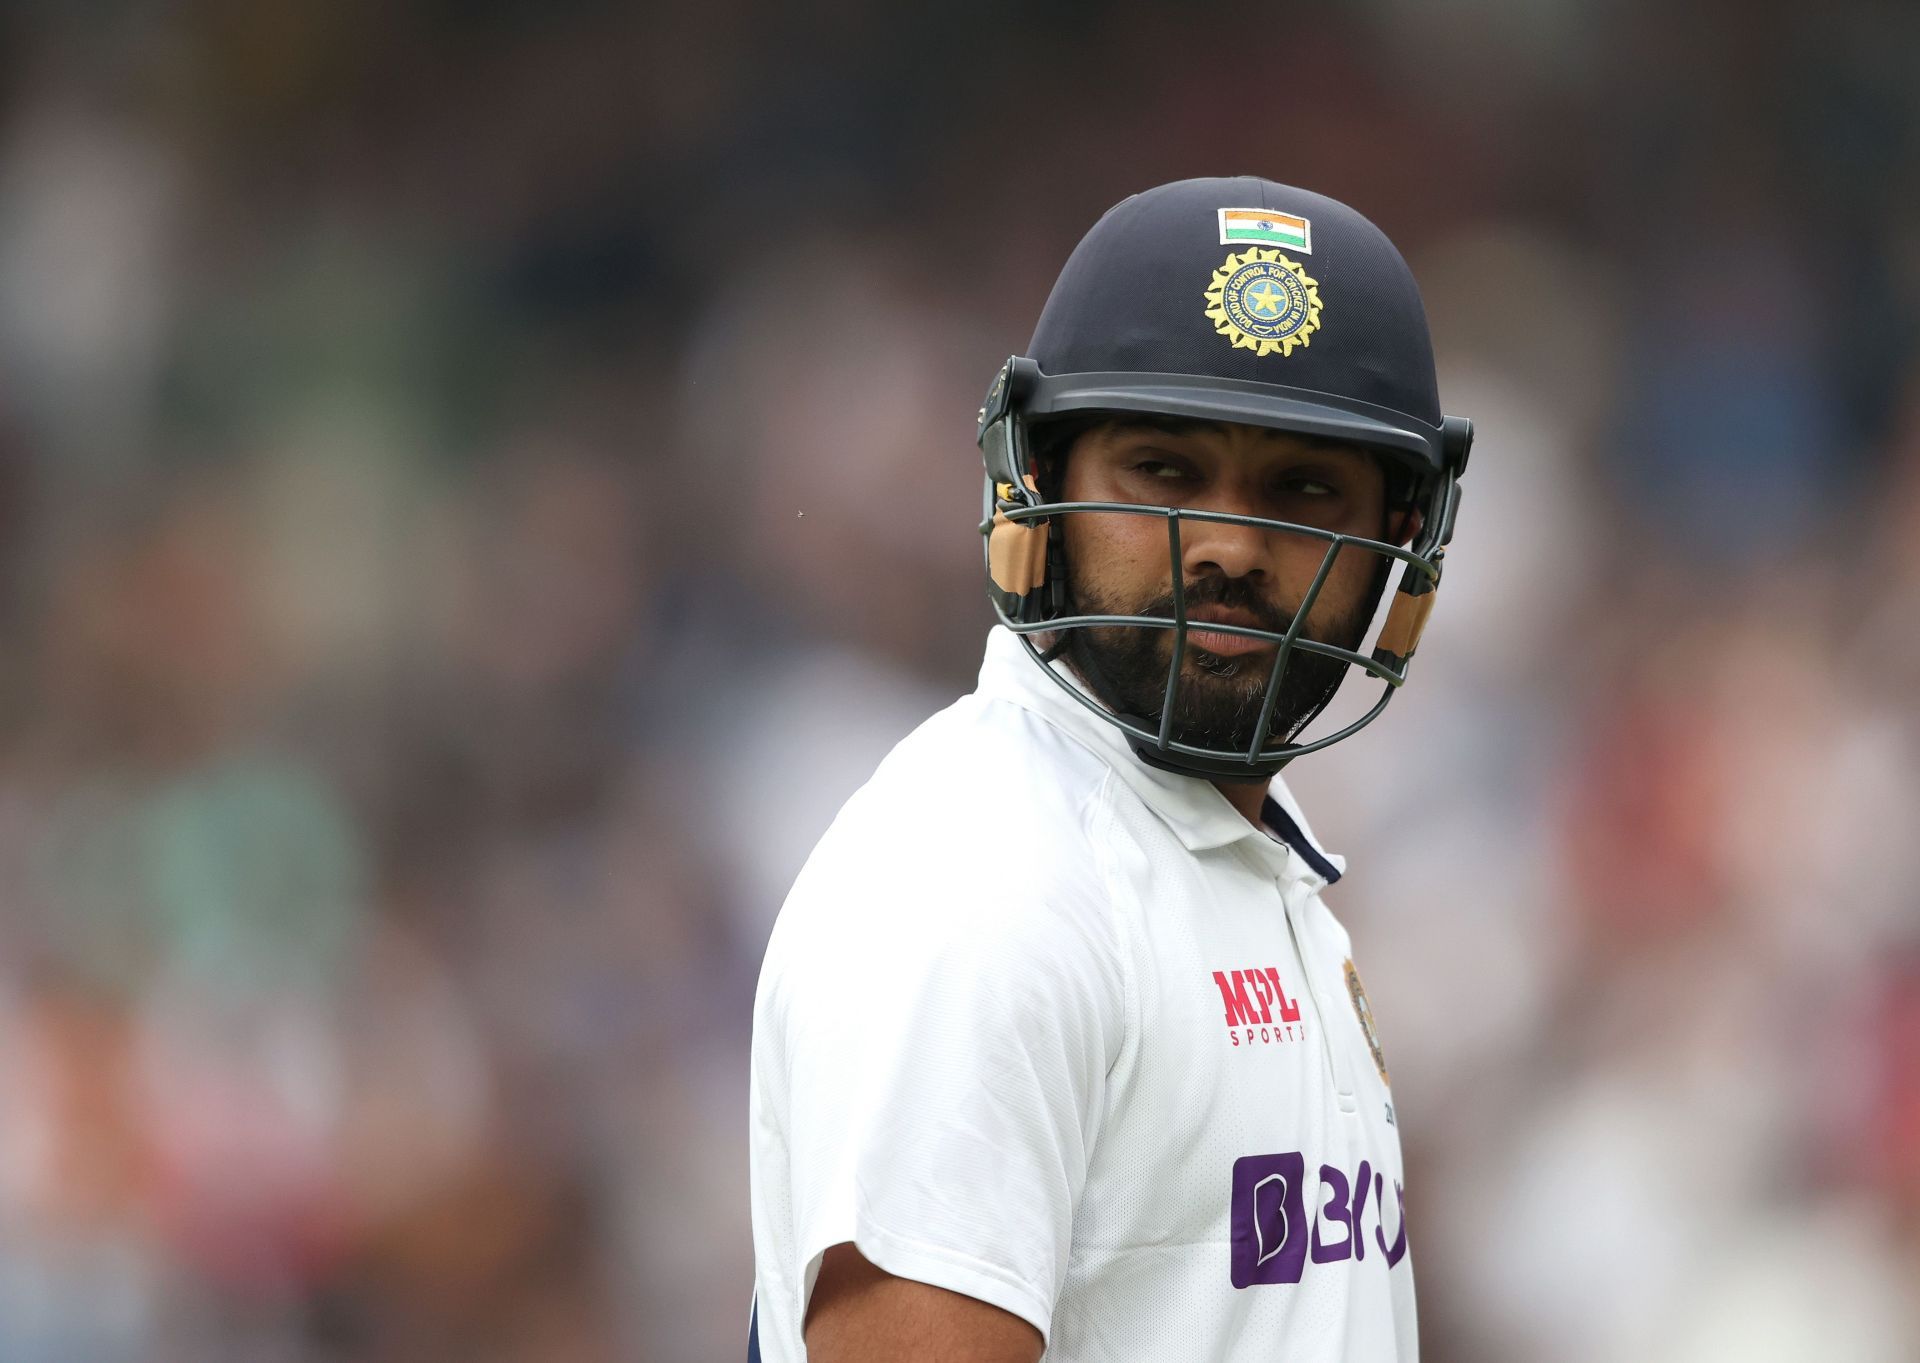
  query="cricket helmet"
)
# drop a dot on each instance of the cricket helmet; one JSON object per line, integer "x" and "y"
{"x": 1230, "y": 300}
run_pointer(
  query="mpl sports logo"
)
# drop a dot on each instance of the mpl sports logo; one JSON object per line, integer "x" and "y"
{"x": 1258, "y": 1009}
{"x": 1272, "y": 1237}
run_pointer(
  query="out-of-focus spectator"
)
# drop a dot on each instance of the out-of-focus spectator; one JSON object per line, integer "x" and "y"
{"x": 480, "y": 484}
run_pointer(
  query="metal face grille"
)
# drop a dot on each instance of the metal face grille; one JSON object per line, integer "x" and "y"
{"x": 1039, "y": 613}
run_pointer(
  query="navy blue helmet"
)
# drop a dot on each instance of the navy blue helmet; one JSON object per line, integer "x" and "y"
{"x": 1227, "y": 300}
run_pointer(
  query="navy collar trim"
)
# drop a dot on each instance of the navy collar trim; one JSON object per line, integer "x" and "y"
{"x": 1282, "y": 823}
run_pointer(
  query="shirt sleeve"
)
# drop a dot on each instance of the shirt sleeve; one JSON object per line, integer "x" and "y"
{"x": 946, "y": 1048}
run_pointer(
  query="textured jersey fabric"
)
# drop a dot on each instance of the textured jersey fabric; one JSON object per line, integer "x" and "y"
{"x": 1048, "y": 1027}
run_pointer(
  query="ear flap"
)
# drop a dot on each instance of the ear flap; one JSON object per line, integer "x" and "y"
{"x": 1456, "y": 442}
{"x": 1406, "y": 619}
{"x": 1016, "y": 550}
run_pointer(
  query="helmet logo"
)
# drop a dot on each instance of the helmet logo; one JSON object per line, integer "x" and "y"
{"x": 1263, "y": 302}
{"x": 1266, "y": 227}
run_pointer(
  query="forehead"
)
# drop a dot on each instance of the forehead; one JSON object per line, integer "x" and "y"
{"x": 1222, "y": 437}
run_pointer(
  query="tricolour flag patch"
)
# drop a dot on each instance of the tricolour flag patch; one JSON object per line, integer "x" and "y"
{"x": 1267, "y": 227}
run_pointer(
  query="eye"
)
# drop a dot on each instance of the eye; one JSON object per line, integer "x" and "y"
{"x": 1161, "y": 470}
{"x": 1309, "y": 487}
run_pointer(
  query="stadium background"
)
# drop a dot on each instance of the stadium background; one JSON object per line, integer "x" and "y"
{"x": 479, "y": 483}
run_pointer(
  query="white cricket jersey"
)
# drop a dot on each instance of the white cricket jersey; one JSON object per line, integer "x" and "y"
{"x": 1043, "y": 1025}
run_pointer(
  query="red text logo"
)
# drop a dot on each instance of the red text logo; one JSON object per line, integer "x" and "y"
{"x": 1257, "y": 1005}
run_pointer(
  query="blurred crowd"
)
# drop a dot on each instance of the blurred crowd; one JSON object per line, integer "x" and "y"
{"x": 480, "y": 483}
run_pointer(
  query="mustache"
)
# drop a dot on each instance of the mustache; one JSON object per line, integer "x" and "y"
{"x": 1234, "y": 594}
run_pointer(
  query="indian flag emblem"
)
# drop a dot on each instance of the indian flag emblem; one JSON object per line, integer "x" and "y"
{"x": 1266, "y": 227}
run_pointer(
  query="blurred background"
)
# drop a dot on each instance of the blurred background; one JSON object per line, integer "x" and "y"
{"x": 481, "y": 482}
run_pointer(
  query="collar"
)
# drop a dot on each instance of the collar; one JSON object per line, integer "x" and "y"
{"x": 1194, "y": 809}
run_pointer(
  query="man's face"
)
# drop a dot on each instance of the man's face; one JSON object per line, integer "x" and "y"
{"x": 1119, "y": 565}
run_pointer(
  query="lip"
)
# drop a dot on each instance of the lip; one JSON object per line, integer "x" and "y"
{"x": 1224, "y": 645}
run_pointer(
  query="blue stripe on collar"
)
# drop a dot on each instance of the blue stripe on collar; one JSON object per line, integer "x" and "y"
{"x": 1281, "y": 822}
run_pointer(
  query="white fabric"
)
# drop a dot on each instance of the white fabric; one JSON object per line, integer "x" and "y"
{"x": 989, "y": 1049}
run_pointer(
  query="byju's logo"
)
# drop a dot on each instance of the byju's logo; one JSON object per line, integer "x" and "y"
{"x": 1272, "y": 1236}
{"x": 1258, "y": 1008}
{"x": 1269, "y": 1228}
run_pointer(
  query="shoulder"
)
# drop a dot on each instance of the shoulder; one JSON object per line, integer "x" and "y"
{"x": 976, "y": 841}
{"x": 984, "y": 787}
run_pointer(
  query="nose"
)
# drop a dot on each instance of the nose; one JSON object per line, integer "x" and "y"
{"x": 1217, "y": 548}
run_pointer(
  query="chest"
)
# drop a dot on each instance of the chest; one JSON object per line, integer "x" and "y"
{"x": 1255, "y": 1084}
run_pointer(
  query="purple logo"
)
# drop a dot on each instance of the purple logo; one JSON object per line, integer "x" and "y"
{"x": 1269, "y": 1223}
{"x": 1271, "y": 1233}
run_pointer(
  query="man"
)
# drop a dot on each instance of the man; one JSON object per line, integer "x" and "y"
{"x": 1056, "y": 1048}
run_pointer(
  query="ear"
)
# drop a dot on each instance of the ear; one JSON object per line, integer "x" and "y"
{"x": 1404, "y": 524}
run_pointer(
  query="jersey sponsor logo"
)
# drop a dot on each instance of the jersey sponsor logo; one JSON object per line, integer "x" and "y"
{"x": 1271, "y": 1236}
{"x": 1258, "y": 1009}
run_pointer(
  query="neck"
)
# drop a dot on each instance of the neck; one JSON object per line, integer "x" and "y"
{"x": 1245, "y": 796}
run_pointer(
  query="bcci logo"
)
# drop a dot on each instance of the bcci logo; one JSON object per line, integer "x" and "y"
{"x": 1263, "y": 302}
{"x": 1364, "y": 1011}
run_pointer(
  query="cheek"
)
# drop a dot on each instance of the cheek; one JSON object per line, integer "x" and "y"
{"x": 1116, "y": 551}
{"x": 1348, "y": 586}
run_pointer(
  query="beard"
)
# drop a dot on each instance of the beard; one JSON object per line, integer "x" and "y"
{"x": 1218, "y": 700}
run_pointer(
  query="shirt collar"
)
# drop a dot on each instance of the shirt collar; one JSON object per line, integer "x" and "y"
{"x": 1194, "y": 809}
